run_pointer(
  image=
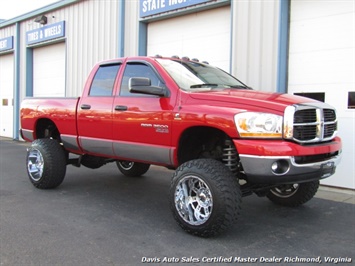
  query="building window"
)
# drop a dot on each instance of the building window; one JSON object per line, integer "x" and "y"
{"x": 104, "y": 80}
{"x": 351, "y": 100}
{"x": 319, "y": 96}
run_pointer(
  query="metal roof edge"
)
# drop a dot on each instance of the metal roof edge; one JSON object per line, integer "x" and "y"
{"x": 50, "y": 7}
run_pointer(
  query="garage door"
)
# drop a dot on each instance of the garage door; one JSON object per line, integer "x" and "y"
{"x": 49, "y": 71}
{"x": 6, "y": 95}
{"x": 321, "y": 61}
{"x": 203, "y": 35}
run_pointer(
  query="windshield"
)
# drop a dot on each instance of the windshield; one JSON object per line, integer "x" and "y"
{"x": 192, "y": 76}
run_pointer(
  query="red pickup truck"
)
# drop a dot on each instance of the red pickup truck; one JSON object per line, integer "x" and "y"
{"x": 223, "y": 139}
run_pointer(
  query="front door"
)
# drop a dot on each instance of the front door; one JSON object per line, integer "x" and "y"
{"x": 142, "y": 123}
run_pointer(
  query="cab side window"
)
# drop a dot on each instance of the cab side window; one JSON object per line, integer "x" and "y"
{"x": 104, "y": 80}
{"x": 138, "y": 70}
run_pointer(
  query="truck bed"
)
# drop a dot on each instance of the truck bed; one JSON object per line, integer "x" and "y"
{"x": 62, "y": 111}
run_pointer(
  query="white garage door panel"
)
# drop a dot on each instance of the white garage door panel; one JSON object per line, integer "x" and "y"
{"x": 321, "y": 67}
{"x": 345, "y": 173}
{"x": 196, "y": 35}
{"x": 49, "y": 71}
{"x": 321, "y": 59}
{"x": 316, "y": 9}
{"x": 6, "y": 95}
{"x": 330, "y": 32}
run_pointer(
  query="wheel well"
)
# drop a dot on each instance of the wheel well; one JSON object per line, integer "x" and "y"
{"x": 212, "y": 143}
{"x": 45, "y": 128}
{"x": 201, "y": 142}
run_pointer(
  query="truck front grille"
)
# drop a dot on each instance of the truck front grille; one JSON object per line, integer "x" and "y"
{"x": 312, "y": 123}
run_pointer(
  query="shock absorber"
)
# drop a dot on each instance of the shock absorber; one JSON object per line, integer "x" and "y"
{"x": 230, "y": 156}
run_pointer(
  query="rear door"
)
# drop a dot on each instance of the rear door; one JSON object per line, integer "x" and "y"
{"x": 95, "y": 112}
{"x": 142, "y": 123}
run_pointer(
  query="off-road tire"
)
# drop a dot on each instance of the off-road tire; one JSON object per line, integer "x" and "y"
{"x": 293, "y": 195}
{"x": 46, "y": 163}
{"x": 132, "y": 169}
{"x": 213, "y": 192}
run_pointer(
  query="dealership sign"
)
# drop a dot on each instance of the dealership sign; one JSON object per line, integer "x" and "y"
{"x": 6, "y": 43}
{"x": 154, "y": 7}
{"x": 46, "y": 33}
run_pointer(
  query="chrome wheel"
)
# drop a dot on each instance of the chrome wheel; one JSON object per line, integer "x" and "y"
{"x": 293, "y": 195}
{"x": 129, "y": 168}
{"x": 126, "y": 165}
{"x": 285, "y": 191}
{"x": 35, "y": 164}
{"x": 193, "y": 200}
{"x": 205, "y": 197}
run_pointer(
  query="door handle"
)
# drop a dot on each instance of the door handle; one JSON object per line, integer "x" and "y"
{"x": 121, "y": 108}
{"x": 85, "y": 106}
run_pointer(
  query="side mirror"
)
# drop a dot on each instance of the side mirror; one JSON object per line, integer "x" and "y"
{"x": 143, "y": 85}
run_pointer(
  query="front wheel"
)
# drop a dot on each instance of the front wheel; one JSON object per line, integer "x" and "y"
{"x": 205, "y": 197}
{"x": 46, "y": 163}
{"x": 129, "y": 168}
{"x": 293, "y": 195}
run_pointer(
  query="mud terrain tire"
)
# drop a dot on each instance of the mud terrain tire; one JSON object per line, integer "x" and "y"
{"x": 293, "y": 195}
{"x": 46, "y": 163}
{"x": 205, "y": 197}
{"x": 132, "y": 169}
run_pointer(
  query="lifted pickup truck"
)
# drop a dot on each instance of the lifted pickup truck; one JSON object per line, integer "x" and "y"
{"x": 223, "y": 139}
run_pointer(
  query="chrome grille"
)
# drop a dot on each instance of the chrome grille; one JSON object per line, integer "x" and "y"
{"x": 329, "y": 130}
{"x": 329, "y": 115}
{"x": 305, "y": 116}
{"x": 305, "y": 132}
{"x": 310, "y": 123}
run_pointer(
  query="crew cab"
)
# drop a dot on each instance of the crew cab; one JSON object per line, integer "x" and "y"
{"x": 223, "y": 139}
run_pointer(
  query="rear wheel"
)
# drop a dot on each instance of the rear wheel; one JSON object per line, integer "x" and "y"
{"x": 293, "y": 195}
{"x": 205, "y": 197}
{"x": 129, "y": 168}
{"x": 46, "y": 163}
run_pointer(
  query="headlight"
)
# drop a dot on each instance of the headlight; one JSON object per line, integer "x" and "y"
{"x": 258, "y": 125}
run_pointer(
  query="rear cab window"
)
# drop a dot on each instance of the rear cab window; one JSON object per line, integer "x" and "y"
{"x": 104, "y": 80}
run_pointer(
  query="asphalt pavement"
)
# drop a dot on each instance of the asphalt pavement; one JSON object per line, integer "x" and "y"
{"x": 100, "y": 217}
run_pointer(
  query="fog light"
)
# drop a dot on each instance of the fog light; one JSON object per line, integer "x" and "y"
{"x": 280, "y": 167}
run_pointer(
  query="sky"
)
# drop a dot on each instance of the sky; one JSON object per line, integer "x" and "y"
{"x": 13, "y": 8}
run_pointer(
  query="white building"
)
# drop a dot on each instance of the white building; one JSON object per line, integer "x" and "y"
{"x": 295, "y": 46}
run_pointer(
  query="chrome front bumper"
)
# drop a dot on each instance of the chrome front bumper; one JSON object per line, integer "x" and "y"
{"x": 284, "y": 169}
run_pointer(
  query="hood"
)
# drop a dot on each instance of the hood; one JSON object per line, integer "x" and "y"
{"x": 250, "y": 98}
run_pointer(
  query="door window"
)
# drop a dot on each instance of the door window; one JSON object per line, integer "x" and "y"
{"x": 138, "y": 70}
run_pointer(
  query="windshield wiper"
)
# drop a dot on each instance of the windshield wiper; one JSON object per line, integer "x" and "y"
{"x": 203, "y": 85}
{"x": 240, "y": 87}
{"x": 210, "y": 85}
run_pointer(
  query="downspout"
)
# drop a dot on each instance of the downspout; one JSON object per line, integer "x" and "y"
{"x": 29, "y": 72}
{"x": 142, "y": 38}
{"x": 121, "y": 27}
{"x": 231, "y": 39}
{"x": 283, "y": 46}
{"x": 16, "y": 89}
